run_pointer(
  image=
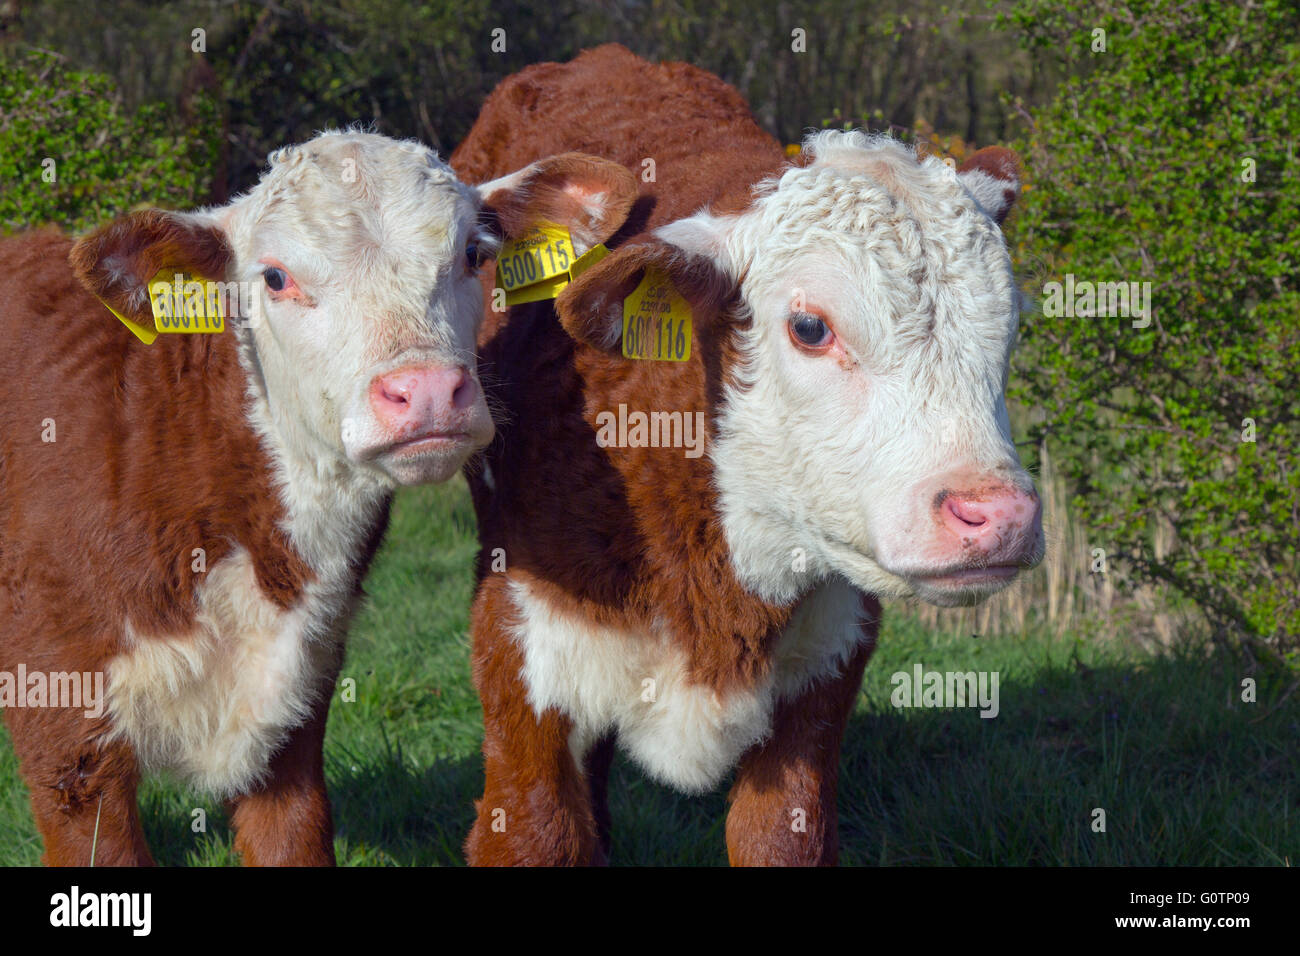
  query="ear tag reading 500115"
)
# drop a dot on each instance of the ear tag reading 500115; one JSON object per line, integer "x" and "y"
{"x": 538, "y": 258}
{"x": 539, "y": 264}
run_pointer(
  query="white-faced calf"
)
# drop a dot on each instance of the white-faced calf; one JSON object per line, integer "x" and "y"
{"x": 192, "y": 518}
{"x": 851, "y": 318}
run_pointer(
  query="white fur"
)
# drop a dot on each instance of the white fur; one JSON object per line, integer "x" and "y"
{"x": 374, "y": 232}
{"x": 989, "y": 191}
{"x": 687, "y": 736}
{"x": 822, "y": 461}
{"x": 213, "y": 704}
{"x": 841, "y": 456}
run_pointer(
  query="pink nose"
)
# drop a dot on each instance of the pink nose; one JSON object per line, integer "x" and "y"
{"x": 419, "y": 398}
{"x": 998, "y": 518}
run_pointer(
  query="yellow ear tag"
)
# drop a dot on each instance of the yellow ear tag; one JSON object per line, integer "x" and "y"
{"x": 543, "y": 253}
{"x": 540, "y": 264}
{"x": 182, "y": 303}
{"x": 145, "y": 335}
{"x": 656, "y": 321}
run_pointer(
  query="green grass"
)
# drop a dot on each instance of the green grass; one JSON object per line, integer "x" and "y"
{"x": 1186, "y": 773}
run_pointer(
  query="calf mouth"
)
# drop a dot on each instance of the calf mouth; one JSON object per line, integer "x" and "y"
{"x": 424, "y": 444}
{"x": 427, "y": 457}
{"x": 943, "y": 584}
{"x": 962, "y": 587}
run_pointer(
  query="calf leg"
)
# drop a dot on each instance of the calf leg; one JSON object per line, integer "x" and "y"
{"x": 287, "y": 822}
{"x": 536, "y": 808}
{"x": 783, "y": 809}
{"x": 83, "y": 789}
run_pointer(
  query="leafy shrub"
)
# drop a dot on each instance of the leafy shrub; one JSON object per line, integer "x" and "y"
{"x": 1169, "y": 158}
{"x": 71, "y": 154}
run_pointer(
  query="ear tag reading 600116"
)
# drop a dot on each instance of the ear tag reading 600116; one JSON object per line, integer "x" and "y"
{"x": 656, "y": 321}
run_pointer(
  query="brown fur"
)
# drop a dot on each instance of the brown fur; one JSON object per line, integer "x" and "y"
{"x": 154, "y": 457}
{"x": 1000, "y": 163}
{"x": 796, "y": 772}
{"x": 623, "y": 536}
{"x": 287, "y": 821}
{"x": 555, "y": 189}
{"x": 531, "y": 775}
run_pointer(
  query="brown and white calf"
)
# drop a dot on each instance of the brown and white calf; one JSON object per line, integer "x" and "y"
{"x": 193, "y": 518}
{"x": 853, "y": 314}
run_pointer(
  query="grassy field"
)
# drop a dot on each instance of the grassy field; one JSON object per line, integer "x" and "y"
{"x": 1186, "y": 773}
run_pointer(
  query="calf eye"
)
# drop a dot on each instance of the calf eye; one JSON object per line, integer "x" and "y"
{"x": 472, "y": 261}
{"x": 275, "y": 278}
{"x": 809, "y": 330}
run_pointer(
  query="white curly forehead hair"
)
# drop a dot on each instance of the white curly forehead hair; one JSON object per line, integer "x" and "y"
{"x": 937, "y": 271}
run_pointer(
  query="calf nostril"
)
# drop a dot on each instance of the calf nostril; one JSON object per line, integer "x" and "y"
{"x": 463, "y": 391}
{"x": 965, "y": 513}
{"x": 392, "y": 395}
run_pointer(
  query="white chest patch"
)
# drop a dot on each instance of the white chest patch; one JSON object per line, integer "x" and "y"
{"x": 636, "y": 684}
{"x": 212, "y": 705}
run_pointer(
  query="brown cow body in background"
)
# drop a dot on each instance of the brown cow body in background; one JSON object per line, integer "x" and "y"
{"x": 715, "y": 612}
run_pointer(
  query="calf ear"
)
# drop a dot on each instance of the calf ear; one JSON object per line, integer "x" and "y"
{"x": 591, "y": 306}
{"x": 116, "y": 262}
{"x": 992, "y": 176}
{"x": 590, "y": 196}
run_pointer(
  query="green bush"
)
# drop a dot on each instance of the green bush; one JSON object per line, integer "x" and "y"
{"x": 71, "y": 154}
{"x": 1170, "y": 158}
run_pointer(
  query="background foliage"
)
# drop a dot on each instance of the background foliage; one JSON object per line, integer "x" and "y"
{"x": 105, "y": 157}
{"x": 1138, "y": 168}
{"x": 287, "y": 69}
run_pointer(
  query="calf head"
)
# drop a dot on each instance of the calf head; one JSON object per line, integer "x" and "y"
{"x": 860, "y": 313}
{"x": 353, "y": 264}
